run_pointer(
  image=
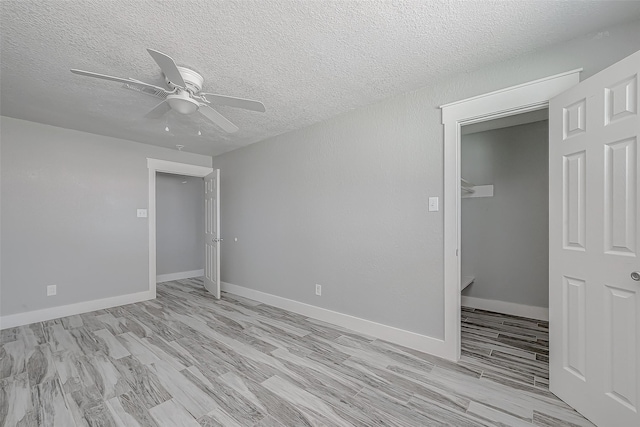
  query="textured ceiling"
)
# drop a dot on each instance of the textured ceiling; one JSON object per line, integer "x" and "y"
{"x": 305, "y": 60}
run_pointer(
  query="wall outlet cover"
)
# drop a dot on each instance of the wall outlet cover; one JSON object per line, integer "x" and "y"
{"x": 51, "y": 290}
{"x": 142, "y": 213}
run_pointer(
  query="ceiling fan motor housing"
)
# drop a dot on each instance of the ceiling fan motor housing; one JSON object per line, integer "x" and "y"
{"x": 181, "y": 101}
{"x": 193, "y": 80}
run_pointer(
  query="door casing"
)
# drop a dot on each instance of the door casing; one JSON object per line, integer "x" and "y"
{"x": 165, "y": 166}
{"x": 518, "y": 99}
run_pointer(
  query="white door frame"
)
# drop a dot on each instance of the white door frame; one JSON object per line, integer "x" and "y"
{"x": 523, "y": 98}
{"x": 165, "y": 166}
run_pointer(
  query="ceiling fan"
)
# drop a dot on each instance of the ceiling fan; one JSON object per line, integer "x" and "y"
{"x": 183, "y": 95}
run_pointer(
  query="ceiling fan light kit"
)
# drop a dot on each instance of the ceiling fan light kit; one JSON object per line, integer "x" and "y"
{"x": 182, "y": 103}
{"x": 184, "y": 95}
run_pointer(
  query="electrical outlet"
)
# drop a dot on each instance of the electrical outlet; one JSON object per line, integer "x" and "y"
{"x": 142, "y": 213}
{"x": 51, "y": 290}
{"x": 318, "y": 289}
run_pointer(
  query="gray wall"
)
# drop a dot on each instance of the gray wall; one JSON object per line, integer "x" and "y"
{"x": 69, "y": 203}
{"x": 179, "y": 223}
{"x": 344, "y": 203}
{"x": 505, "y": 242}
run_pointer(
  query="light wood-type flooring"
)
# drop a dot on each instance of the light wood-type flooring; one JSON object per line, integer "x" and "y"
{"x": 186, "y": 359}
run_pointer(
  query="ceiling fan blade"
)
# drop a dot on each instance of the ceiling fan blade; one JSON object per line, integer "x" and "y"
{"x": 159, "y": 110}
{"x": 168, "y": 67}
{"x": 115, "y": 79}
{"x": 218, "y": 119}
{"x": 101, "y": 76}
{"x": 232, "y": 101}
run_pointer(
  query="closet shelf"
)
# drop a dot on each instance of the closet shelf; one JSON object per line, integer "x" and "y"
{"x": 466, "y": 281}
{"x": 471, "y": 190}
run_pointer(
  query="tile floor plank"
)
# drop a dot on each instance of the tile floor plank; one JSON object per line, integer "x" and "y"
{"x": 171, "y": 414}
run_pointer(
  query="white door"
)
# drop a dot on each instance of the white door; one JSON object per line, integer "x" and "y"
{"x": 594, "y": 303}
{"x": 212, "y": 233}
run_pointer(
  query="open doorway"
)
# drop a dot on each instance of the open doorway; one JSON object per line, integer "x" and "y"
{"x": 504, "y": 264}
{"x": 179, "y": 227}
{"x": 155, "y": 167}
{"x": 507, "y": 102}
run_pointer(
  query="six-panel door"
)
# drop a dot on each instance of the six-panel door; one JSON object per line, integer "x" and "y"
{"x": 594, "y": 303}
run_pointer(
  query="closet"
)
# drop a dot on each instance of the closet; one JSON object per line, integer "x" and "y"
{"x": 179, "y": 227}
{"x": 504, "y": 209}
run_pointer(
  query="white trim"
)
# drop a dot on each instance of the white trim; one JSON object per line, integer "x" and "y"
{"x": 165, "y": 166}
{"x": 29, "y": 317}
{"x": 530, "y": 311}
{"x": 402, "y": 337}
{"x": 178, "y": 168}
{"x": 161, "y": 278}
{"x": 505, "y": 102}
{"x": 520, "y": 86}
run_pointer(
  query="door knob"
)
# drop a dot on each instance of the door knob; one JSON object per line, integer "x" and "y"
{"x": 635, "y": 276}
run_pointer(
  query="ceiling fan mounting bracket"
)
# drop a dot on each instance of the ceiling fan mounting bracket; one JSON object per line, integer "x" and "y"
{"x": 193, "y": 80}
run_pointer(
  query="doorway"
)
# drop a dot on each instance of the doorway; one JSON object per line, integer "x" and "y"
{"x": 504, "y": 253}
{"x": 163, "y": 166}
{"x": 179, "y": 227}
{"x": 528, "y": 97}
{"x": 505, "y": 248}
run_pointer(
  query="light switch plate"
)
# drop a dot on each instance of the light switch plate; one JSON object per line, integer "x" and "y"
{"x": 51, "y": 290}
{"x": 433, "y": 204}
{"x": 142, "y": 213}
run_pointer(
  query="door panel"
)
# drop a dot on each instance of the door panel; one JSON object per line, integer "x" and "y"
{"x": 621, "y": 213}
{"x": 621, "y": 100}
{"x": 573, "y": 323}
{"x": 621, "y": 310}
{"x": 574, "y": 206}
{"x": 212, "y": 233}
{"x": 594, "y": 305}
{"x": 575, "y": 119}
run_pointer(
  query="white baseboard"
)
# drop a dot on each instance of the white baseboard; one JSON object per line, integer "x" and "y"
{"x": 179, "y": 276}
{"x": 402, "y": 337}
{"x": 530, "y": 311}
{"x": 29, "y": 317}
